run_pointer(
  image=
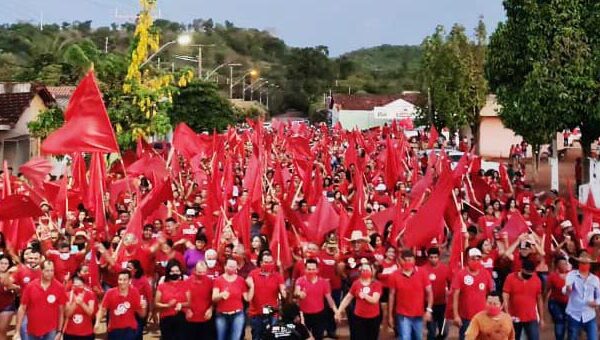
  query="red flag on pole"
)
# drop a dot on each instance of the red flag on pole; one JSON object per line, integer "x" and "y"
{"x": 433, "y": 137}
{"x": 515, "y": 226}
{"x": 279, "y": 245}
{"x": 322, "y": 221}
{"x": 87, "y": 126}
{"x": 18, "y": 206}
{"x": 6, "y": 185}
{"x": 79, "y": 172}
{"x": 428, "y": 222}
{"x": 36, "y": 170}
{"x": 19, "y": 232}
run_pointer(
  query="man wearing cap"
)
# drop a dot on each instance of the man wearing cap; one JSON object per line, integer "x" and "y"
{"x": 471, "y": 286}
{"x": 522, "y": 295}
{"x": 583, "y": 289}
{"x": 328, "y": 258}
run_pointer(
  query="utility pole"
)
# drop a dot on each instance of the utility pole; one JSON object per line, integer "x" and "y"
{"x": 41, "y": 20}
{"x": 231, "y": 66}
{"x": 106, "y": 45}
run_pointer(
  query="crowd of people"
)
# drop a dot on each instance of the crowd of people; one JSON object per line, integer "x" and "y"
{"x": 290, "y": 232}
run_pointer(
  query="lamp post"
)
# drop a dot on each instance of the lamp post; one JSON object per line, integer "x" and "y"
{"x": 243, "y": 80}
{"x": 183, "y": 40}
{"x": 231, "y": 66}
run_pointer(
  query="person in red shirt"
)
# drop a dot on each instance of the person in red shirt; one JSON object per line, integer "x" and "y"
{"x": 200, "y": 323}
{"x": 66, "y": 264}
{"x": 440, "y": 278}
{"x": 367, "y": 316}
{"x": 229, "y": 292}
{"x": 132, "y": 250}
{"x": 7, "y": 295}
{"x": 123, "y": 303}
{"x": 522, "y": 294}
{"x": 165, "y": 254}
{"x": 79, "y": 311}
{"x": 470, "y": 288}
{"x": 265, "y": 285}
{"x": 557, "y": 300}
{"x": 213, "y": 268}
{"x": 312, "y": 290}
{"x": 171, "y": 298}
{"x": 142, "y": 284}
{"x": 328, "y": 258}
{"x": 43, "y": 302}
{"x": 28, "y": 271}
{"x": 409, "y": 289}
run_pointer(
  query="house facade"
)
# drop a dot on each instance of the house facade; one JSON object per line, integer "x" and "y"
{"x": 20, "y": 104}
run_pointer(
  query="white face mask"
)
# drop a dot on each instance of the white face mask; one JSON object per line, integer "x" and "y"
{"x": 64, "y": 256}
{"x": 211, "y": 263}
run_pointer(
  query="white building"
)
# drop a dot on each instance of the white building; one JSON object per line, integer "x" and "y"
{"x": 367, "y": 111}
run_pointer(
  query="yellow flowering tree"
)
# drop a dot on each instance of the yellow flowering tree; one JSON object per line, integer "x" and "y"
{"x": 140, "y": 108}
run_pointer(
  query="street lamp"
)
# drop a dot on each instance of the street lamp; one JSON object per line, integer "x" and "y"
{"x": 183, "y": 39}
{"x": 252, "y": 73}
{"x": 231, "y": 66}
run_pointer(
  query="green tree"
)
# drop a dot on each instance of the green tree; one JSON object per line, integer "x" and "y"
{"x": 543, "y": 69}
{"x": 453, "y": 69}
{"x": 200, "y": 105}
{"x": 46, "y": 122}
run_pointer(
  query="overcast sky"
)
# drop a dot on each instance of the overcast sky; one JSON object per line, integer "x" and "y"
{"x": 343, "y": 25}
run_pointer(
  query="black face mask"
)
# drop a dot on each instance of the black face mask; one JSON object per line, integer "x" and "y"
{"x": 80, "y": 246}
{"x": 173, "y": 277}
{"x": 114, "y": 246}
{"x": 526, "y": 276}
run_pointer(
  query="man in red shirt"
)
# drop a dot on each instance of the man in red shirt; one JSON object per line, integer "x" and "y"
{"x": 264, "y": 286}
{"x": 522, "y": 294}
{"x": 328, "y": 259}
{"x": 199, "y": 314}
{"x": 122, "y": 302}
{"x": 470, "y": 288}
{"x": 409, "y": 289}
{"x": 439, "y": 276}
{"x": 43, "y": 302}
{"x": 312, "y": 290}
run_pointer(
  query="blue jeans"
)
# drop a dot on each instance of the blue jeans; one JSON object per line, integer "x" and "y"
{"x": 409, "y": 328}
{"x": 559, "y": 318}
{"x": 122, "y": 334}
{"x": 463, "y": 329}
{"x": 23, "y": 329}
{"x": 48, "y": 336}
{"x": 531, "y": 328}
{"x": 230, "y": 327}
{"x": 259, "y": 324}
{"x": 590, "y": 328}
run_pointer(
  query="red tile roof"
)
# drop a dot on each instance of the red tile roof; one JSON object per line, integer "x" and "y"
{"x": 12, "y": 105}
{"x": 370, "y": 101}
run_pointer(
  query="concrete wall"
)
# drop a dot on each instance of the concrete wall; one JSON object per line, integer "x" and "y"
{"x": 494, "y": 139}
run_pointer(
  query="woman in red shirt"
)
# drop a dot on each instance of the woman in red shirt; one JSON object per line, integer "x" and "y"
{"x": 7, "y": 295}
{"x": 229, "y": 293}
{"x": 171, "y": 297}
{"x": 140, "y": 281}
{"x": 167, "y": 253}
{"x": 557, "y": 301}
{"x": 79, "y": 311}
{"x": 367, "y": 316}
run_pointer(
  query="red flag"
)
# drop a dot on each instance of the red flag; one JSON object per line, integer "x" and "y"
{"x": 6, "y": 185}
{"x": 241, "y": 225}
{"x": 433, "y": 137}
{"x": 383, "y": 217}
{"x": 18, "y": 206}
{"x": 152, "y": 167}
{"x": 504, "y": 179}
{"x": 95, "y": 199}
{"x": 36, "y": 170}
{"x": 87, "y": 126}
{"x": 515, "y": 226}
{"x": 80, "y": 181}
{"x": 585, "y": 227}
{"x": 161, "y": 193}
{"x": 279, "y": 245}
{"x": 187, "y": 142}
{"x": 18, "y": 232}
{"x": 428, "y": 222}
{"x": 322, "y": 221}
{"x": 590, "y": 202}
{"x": 135, "y": 224}
{"x": 93, "y": 266}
